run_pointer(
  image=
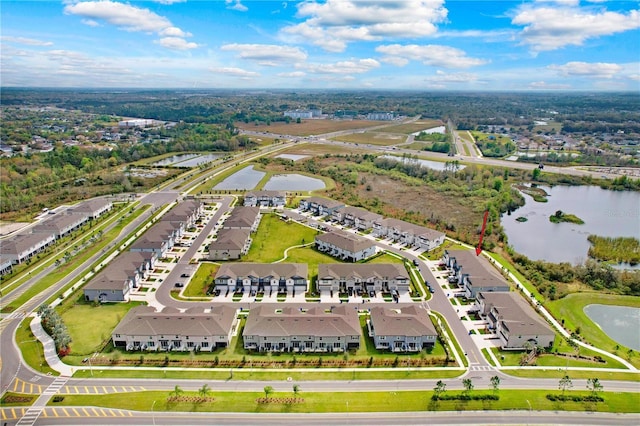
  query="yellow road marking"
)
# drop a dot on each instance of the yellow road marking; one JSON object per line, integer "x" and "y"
{"x": 55, "y": 412}
{"x": 120, "y": 413}
{"x": 13, "y": 413}
{"x": 114, "y": 389}
{"x": 66, "y": 413}
{"x": 104, "y": 414}
{"x": 4, "y": 416}
{"x": 86, "y": 389}
{"x": 95, "y": 389}
{"x": 95, "y": 413}
{"x": 86, "y": 413}
{"x": 130, "y": 413}
{"x": 76, "y": 412}
{"x": 23, "y": 386}
{"x": 104, "y": 389}
{"x": 44, "y": 413}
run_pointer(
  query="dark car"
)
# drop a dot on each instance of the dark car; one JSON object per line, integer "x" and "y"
{"x": 185, "y": 275}
{"x": 415, "y": 262}
{"x": 179, "y": 285}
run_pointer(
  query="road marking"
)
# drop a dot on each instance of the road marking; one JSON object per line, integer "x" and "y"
{"x": 65, "y": 412}
{"x": 95, "y": 413}
{"x": 76, "y": 412}
{"x": 86, "y": 413}
{"x": 95, "y": 389}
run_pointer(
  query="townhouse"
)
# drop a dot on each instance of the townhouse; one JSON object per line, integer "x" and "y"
{"x": 406, "y": 233}
{"x": 231, "y": 244}
{"x": 6, "y": 266}
{"x": 243, "y": 218}
{"x": 196, "y": 329}
{"x": 401, "y": 330}
{"x": 355, "y": 217}
{"x": 473, "y": 273}
{"x": 118, "y": 278}
{"x": 319, "y": 206}
{"x": 22, "y": 247}
{"x": 160, "y": 238}
{"x": 515, "y": 322}
{"x": 93, "y": 208}
{"x": 265, "y": 198}
{"x": 345, "y": 278}
{"x": 293, "y": 330}
{"x": 187, "y": 212}
{"x": 288, "y": 278}
{"x": 61, "y": 225}
{"x": 345, "y": 246}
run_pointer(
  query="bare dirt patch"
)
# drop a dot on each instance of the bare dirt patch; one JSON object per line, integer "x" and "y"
{"x": 308, "y": 127}
{"x": 373, "y": 138}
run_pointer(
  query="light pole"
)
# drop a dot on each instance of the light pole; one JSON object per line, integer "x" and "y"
{"x": 529, "y": 418}
{"x": 153, "y": 417}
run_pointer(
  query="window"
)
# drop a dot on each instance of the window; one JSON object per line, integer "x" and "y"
{"x": 205, "y": 344}
{"x": 117, "y": 336}
{"x": 151, "y": 344}
{"x": 336, "y": 344}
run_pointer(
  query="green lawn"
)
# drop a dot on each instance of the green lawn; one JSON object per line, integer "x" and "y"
{"x": 341, "y": 402}
{"x": 570, "y": 309}
{"x": 274, "y": 236}
{"x": 201, "y": 280}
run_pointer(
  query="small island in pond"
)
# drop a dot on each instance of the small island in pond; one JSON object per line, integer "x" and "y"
{"x": 521, "y": 219}
{"x": 561, "y": 216}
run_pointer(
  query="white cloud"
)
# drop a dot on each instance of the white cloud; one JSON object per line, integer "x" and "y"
{"x": 169, "y": 1}
{"x": 26, "y": 41}
{"x": 335, "y": 23}
{"x": 429, "y": 54}
{"x": 542, "y": 85}
{"x": 90, "y": 22}
{"x": 461, "y": 77}
{"x": 131, "y": 18}
{"x": 586, "y": 69}
{"x": 176, "y": 43}
{"x": 235, "y": 72}
{"x": 551, "y": 28}
{"x": 267, "y": 54}
{"x": 236, "y": 5}
{"x": 294, "y": 74}
{"x": 357, "y": 66}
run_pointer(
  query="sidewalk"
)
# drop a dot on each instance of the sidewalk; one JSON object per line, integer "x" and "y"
{"x": 50, "y": 354}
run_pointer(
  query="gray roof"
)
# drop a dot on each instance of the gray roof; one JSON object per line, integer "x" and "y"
{"x": 362, "y": 271}
{"x": 59, "y": 222}
{"x": 265, "y": 193}
{"x": 480, "y": 271}
{"x": 90, "y": 206}
{"x": 516, "y": 314}
{"x": 360, "y": 213}
{"x": 145, "y": 321}
{"x": 182, "y": 211}
{"x": 242, "y": 217}
{"x": 412, "y": 228}
{"x": 264, "y": 321}
{"x": 327, "y": 202}
{"x": 287, "y": 270}
{"x": 346, "y": 241}
{"x": 155, "y": 236}
{"x": 21, "y": 242}
{"x": 230, "y": 239}
{"x": 409, "y": 321}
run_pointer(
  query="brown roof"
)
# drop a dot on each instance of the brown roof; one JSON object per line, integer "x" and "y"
{"x": 264, "y": 321}
{"x": 230, "y": 239}
{"x": 477, "y": 267}
{"x": 346, "y": 241}
{"x": 242, "y": 217}
{"x": 516, "y": 314}
{"x": 408, "y": 321}
{"x": 145, "y": 321}
{"x": 327, "y": 202}
{"x": 412, "y": 228}
{"x": 263, "y": 270}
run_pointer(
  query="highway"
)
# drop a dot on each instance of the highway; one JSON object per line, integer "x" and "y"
{"x": 13, "y": 369}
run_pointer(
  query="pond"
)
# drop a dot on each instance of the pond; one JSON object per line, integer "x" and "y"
{"x": 620, "y": 323}
{"x": 605, "y": 213}
{"x": 293, "y": 182}
{"x": 174, "y": 159}
{"x": 246, "y": 178}
{"x": 439, "y": 129}
{"x": 433, "y": 165}
{"x": 293, "y": 157}
{"x": 196, "y": 161}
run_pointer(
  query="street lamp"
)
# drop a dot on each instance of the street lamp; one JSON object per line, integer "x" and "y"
{"x": 153, "y": 417}
{"x": 529, "y": 404}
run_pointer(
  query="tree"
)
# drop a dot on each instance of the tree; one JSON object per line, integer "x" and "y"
{"x": 177, "y": 391}
{"x": 204, "y": 390}
{"x": 535, "y": 174}
{"x": 468, "y": 385}
{"x": 495, "y": 383}
{"x": 440, "y": 388}
{"x": 565, "y": 383}
{"x": 268, "y": 390}
{"x": 296, "y": 389}
{"x": 594, "y": 386}
{"x": 559, "y": 214}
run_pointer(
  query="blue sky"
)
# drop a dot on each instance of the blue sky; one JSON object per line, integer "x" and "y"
{"x": 350, "y": 44}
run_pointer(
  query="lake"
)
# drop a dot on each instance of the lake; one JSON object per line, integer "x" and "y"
{"x": 439, "y": 129}
{"x": 292, "y": 157}
{"x": 196, "y": 161}
{"x": 605, "y": 213}
{"x": 620, "y": 323}
{"x": 246, "y": 178}
{"x": 174, "y": 159}
{"x": 293, "y": 182}
{"x": 433, "y": 165}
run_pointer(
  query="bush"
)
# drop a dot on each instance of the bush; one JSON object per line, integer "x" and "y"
{"x": 464, "y": 397}
{"x": 574, "y": 398}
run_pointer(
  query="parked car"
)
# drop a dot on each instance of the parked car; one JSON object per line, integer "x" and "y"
{"x": 415, "y": 262}
{"x": 179, "y": 284}
{"x": 185, "y": 275}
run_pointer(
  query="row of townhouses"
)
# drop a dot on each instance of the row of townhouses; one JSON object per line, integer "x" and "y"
{"x": 345, "y": 246}
{"x": 234, "y": 238}
{"x": 265, "y": 199}
{"x": 515, "y": 322}
{"x": 128, "y": 269}
{"x": 22, "y": 247}
{"x": 378, "y": 277}
{"x": 473, "y": 273}
{"x": 398, "y": 231}
{"x": 256, "y": 277}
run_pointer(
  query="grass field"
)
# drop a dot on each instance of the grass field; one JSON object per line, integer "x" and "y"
{"x": 373, "y": 138}
{"x": 274, "y": 236}
{"x": 308, "y": 127}
{"x": 342, "y": 402}
{"x": 201, "y": 280}
{"x": 409, "y": 128}
{"x": 571, "y": 309}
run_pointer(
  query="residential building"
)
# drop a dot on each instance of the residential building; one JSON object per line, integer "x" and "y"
{"x": 401, "y": 330}
{"x": 243, "y": 218}
{"x": 187, "y": 212}
{"x": 60, "y": 225}
{"x": 6, "y": 265}
{"x": 293, "y": 330}
{"x": 196, "y": 329}
{"x": 346, "y": 278}
{"x": 381, "y": 116}
{"x": 231, "y": 244}
{"x": 303, "y": 113}
{"x": 355, "y": 217}
{"x": 517, "y": 324}
{"x": 319, "y": 206}
{"x": 22, "y": 247}
{"x": 288, "y": 278}
{"x": 345, "y": 246}
{"x": 265, "y": 199}
{"x": 160, "y": 238}
{"x": 473, "y": 273}
{"x": 409, "y": 234}
{"x": 119, "y": 277}
{"x": 93, "y": 208}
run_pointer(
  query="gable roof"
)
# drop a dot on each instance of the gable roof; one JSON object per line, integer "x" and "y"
{"x": 408, "y": 321}
{"x": 515, "y": 314}
{"x": 230, "y": 239}
{"x": 287, "y": 270}
{"x": 346, "y": 241}
{"x": 362, "y": 271}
